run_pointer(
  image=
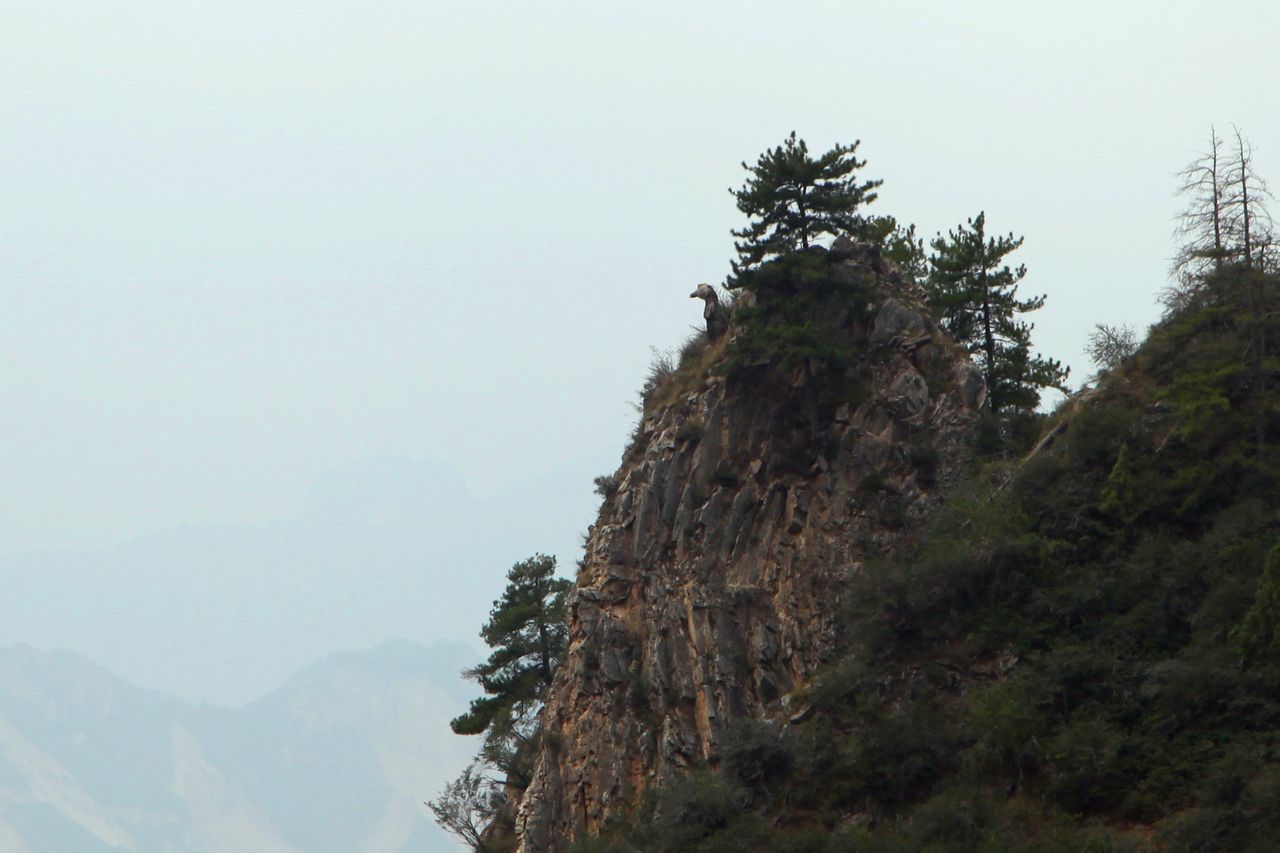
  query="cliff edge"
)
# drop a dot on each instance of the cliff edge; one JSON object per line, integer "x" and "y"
{"x": 714, "y": 575}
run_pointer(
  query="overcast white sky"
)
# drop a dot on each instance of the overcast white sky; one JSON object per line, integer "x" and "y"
{"x": 245, "y": 245}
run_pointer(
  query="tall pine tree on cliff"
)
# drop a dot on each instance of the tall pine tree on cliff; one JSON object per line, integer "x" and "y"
{"x": 793, "y": 200}
{"x": 527, "y": 633}
{"x": 976, "y": 296}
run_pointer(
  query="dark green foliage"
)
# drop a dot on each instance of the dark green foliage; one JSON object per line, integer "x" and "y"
{"x": 901, "y": 245}
{"x": 1009, "y": 722}
{"x": 1125, "y": 494}
{"x": 803, "y": 306}
{"x": 1082, "y": 650}
{"x": 1088, "y": 773}
{"x": 1079, "y": 653}
{"x": 801, "y": 300}
{"x": 792, "y": 199}
{"x": 953, "y": 820}
{"x": 526, "y": 630}
{"x": 1008, "y": 435}
{"x": 698, "y": 812}
{"x": 1259, "y": 634}
{"x": 754, "y": 755}
{"x": 528, "y": 635}
{"x": 976, "y": 296}
{"x": 606, "y": 486}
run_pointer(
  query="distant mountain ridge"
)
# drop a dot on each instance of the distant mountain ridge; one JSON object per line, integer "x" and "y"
{"x": 224, "y": 613}
{"x": 339, "y": 758}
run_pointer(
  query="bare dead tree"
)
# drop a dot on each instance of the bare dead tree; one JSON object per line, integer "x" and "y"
{"x": 1109, "y": 346}
{"x": 1228, "y": 255}
{"x": 467, "y": 807}
{"x": 1226, "y": 221}
{"x": 1199, "y": 228}
{"x": 1245, "y": 211}
{"x": 1249, "y": 220}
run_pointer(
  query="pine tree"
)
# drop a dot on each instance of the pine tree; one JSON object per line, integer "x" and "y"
{"x": 976, "y": 296}
{"x": 1259, "y": 633}
{"x": 793, "y": 199}
{"x": 796, "y": 296}
{"x": 527, "y": 633}
{"x": 901, "y": 245}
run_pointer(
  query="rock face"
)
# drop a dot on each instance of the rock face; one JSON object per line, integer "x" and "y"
{"x": 714, "y": 576}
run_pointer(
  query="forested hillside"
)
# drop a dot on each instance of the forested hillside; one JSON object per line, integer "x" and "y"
{"x": 850, "y": 590}
{"x": 1081, "y": 650}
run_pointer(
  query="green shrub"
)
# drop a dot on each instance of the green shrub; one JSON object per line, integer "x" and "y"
{"x": 1079, "y": 652}
{"x": 1259, "y": 633}
{"x": 1204, "y": 829}
{"x": 1086, "y": 768}
{"x": 956, "y": 819}
{"x": 755, "y": 754}
{"x": 690, "y": 430}
{"x": 899, "y": 756}
{"x": 606, "y": 486}
{"x": 1226, "y": 780}
{"x": 691, "y": 807}
{"x": 1009, "y": 720}
{"x": 1011, "y": 434}
{"x": 697, "y": 812}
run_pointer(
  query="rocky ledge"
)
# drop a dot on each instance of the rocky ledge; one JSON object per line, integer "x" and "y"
{"x": 715, "y": 573}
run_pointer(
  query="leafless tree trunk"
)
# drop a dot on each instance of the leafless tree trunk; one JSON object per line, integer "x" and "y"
{"x": 1200, "y": 226}
{"x": 1246, "y": 215}
{"x": 1226, "y": 220}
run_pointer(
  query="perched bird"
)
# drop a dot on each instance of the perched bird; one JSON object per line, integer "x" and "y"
{"x": 716, "y": 315}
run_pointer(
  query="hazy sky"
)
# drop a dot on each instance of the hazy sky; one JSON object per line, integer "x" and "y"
{"x": 245, "y": 245}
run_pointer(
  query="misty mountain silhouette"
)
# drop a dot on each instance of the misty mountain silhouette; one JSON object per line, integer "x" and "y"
{"x": 338, "y": 758}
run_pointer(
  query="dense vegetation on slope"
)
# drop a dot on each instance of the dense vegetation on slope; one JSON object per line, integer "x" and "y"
{"x": 1082, "y": 651}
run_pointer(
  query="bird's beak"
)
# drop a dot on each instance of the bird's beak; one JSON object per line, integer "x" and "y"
{"x": 693, "y": 295}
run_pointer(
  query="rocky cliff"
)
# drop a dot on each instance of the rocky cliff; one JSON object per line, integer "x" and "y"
{"x": 715, "y": 571}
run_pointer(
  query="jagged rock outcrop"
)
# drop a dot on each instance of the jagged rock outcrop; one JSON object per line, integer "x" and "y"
{"x": 714, "y": 576}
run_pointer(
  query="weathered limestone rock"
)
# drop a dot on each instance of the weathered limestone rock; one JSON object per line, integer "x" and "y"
{"x": 896, "y": 322}
{"x": 909, "y": 395}
{"x": 714, "y": 574}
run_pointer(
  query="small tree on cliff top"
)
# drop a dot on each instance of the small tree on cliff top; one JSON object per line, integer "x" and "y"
{"x": 792, "y": 200}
